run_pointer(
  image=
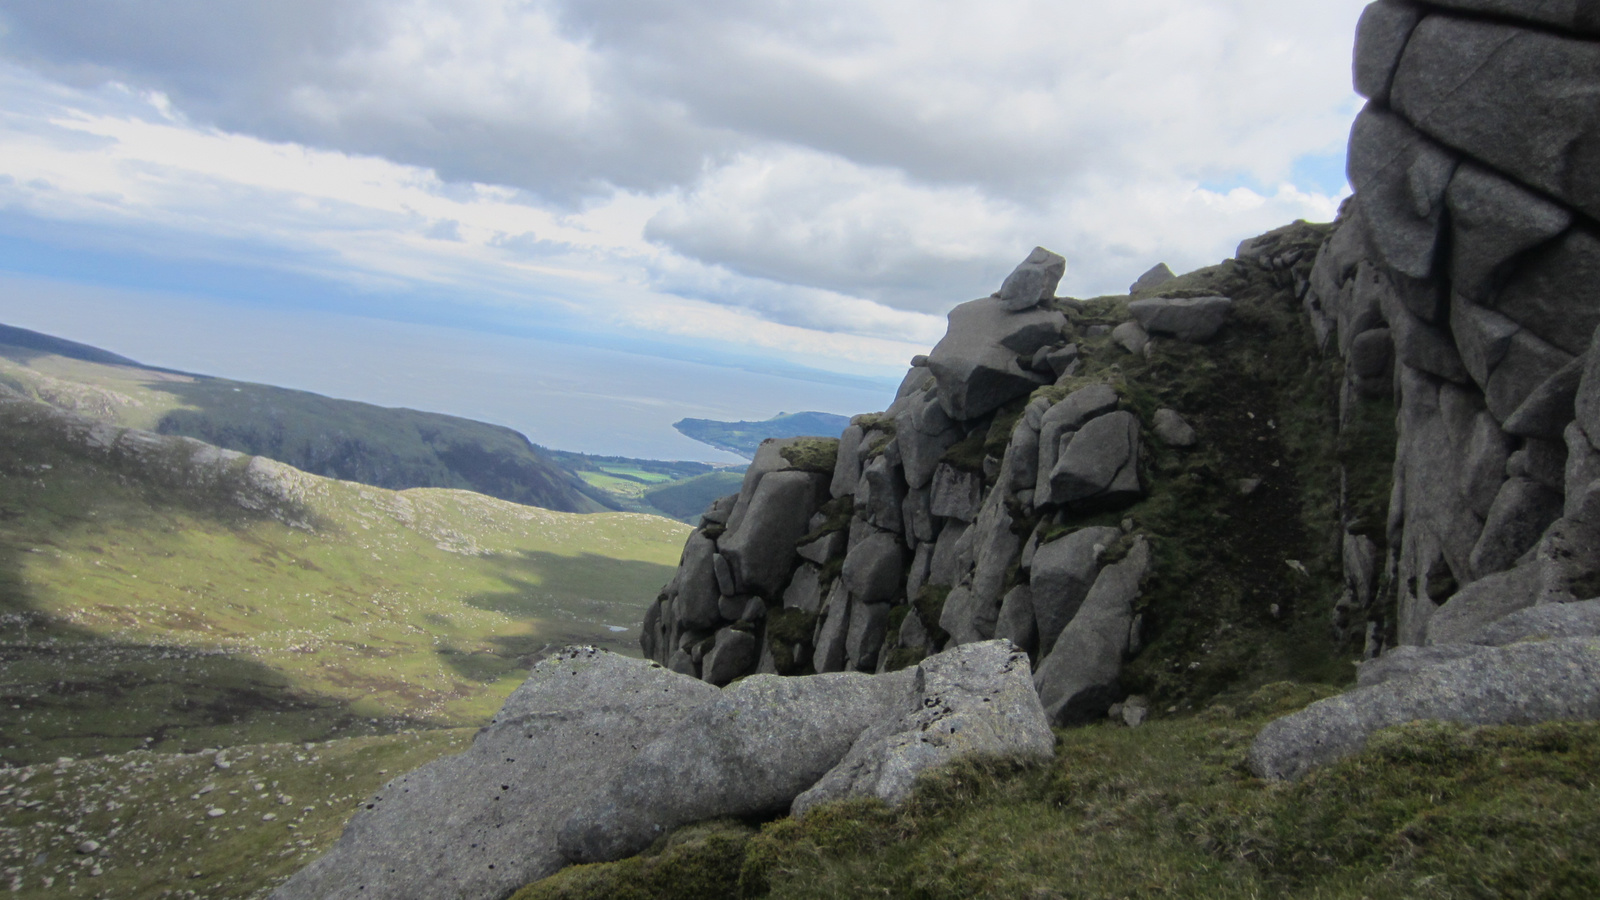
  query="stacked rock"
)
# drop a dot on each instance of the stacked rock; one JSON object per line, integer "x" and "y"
{"x": 1462, "y": 281}
{"x": 945, "y": 520}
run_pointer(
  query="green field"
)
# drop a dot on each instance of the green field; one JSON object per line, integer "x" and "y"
{"x": 159, "y": 606}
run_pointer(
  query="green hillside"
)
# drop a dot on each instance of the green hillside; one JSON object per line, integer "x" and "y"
{"x": 158, "y": 593}
{"x": 380, "y": 446}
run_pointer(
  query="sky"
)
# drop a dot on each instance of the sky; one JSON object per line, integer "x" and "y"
{"x": 586, "y": 220}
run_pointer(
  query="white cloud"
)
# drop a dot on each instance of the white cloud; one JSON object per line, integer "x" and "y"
{"x": 814, "y": 181}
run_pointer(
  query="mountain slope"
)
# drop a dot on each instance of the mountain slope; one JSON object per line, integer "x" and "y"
{"x": 156, "y": 591}
{"x": 345, "y": 439}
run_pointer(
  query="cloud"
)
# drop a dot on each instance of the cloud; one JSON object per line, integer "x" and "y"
{"x": 832, "y": 175}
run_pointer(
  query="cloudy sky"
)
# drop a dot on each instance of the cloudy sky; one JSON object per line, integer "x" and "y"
{"x": 587, "y": 219}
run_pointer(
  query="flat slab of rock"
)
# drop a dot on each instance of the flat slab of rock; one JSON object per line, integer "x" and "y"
{"x": 1520, "y": 684}
{"x": 483, "y": 823}
{"x": 1191, "y": 319}
{"x": 976, "y": 698}
{"x": 750, "y": 751}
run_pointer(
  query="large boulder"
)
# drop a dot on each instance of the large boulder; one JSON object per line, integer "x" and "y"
{"x": 1033, "y": 281}
{"x": 1520, "y": 684}
{"x": 1063, "y": 419}
{"x": 1100, "y": 463}
{"x": 483, "y": 823}
{"x": 1191, "y": 319}
{"x": 761, "y": 550}
{"x": 847, "y": 465}
{"x": 1400, "y": 178}
{"x": 830, "y": 654}
{"x": 1492, "y": 220}
{"x": 1380, "y": 36}
{"x": 957, "y": 493}
{"x": 1552, "y": 620}
{"x": 874, "y": 568}
{"x": 881, "y": 492}
{"x": 1406, "y": 661}
{"x": 1481, "y": 602}
{"x": 1550, "y": 407}
{"x": 976, "y": 363}
{"x": 1522, "y": 510}
{"x": 976, "y": 698}
{"x": 1061, "y": 575}
{"x": 1519, "y": 100}
{"x": 750, "y": 751}
{"x": 923, "y": 432}
{"x": 1078, "y": 681}
{"x": 696, "y": 582}
{"x": 733, "y": 653}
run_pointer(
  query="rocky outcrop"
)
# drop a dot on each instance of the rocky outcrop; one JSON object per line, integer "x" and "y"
{"x": 1463, "y": 286}
{"x": 946, "y": 519}
{"x": 1470, "y": 249}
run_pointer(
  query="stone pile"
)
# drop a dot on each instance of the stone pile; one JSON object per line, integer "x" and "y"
{"x": 946, "y": 519}
{"x": 1463, "y": 285}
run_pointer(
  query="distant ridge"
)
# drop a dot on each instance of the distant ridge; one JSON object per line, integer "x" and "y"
{"x": 385, "y": 447}
{"x": 33, "y": 340}
{"x": 744, "y": 437}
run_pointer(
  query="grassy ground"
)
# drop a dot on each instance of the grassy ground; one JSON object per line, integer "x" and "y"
{"x": 134, "y": 614}
{"x": 210, "y": 824}
{"x": 1168, "y": 810}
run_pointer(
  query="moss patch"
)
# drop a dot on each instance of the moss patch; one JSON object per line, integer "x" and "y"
{"x": 812, "y": 454}
{"x": 698, "y": 862}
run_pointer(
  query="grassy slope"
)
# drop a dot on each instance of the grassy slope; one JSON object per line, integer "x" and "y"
{"x": 131, "y": 609}
{"x": 394, "y": 448}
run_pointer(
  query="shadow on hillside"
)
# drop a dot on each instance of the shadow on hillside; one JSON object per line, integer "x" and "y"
{"x": 67, "y": 691}
{"x": 592, "y": 587}
{"x": 584, "y": 599}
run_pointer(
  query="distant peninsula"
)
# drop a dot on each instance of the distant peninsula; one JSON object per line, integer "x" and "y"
{"x": 744, "y": 437}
